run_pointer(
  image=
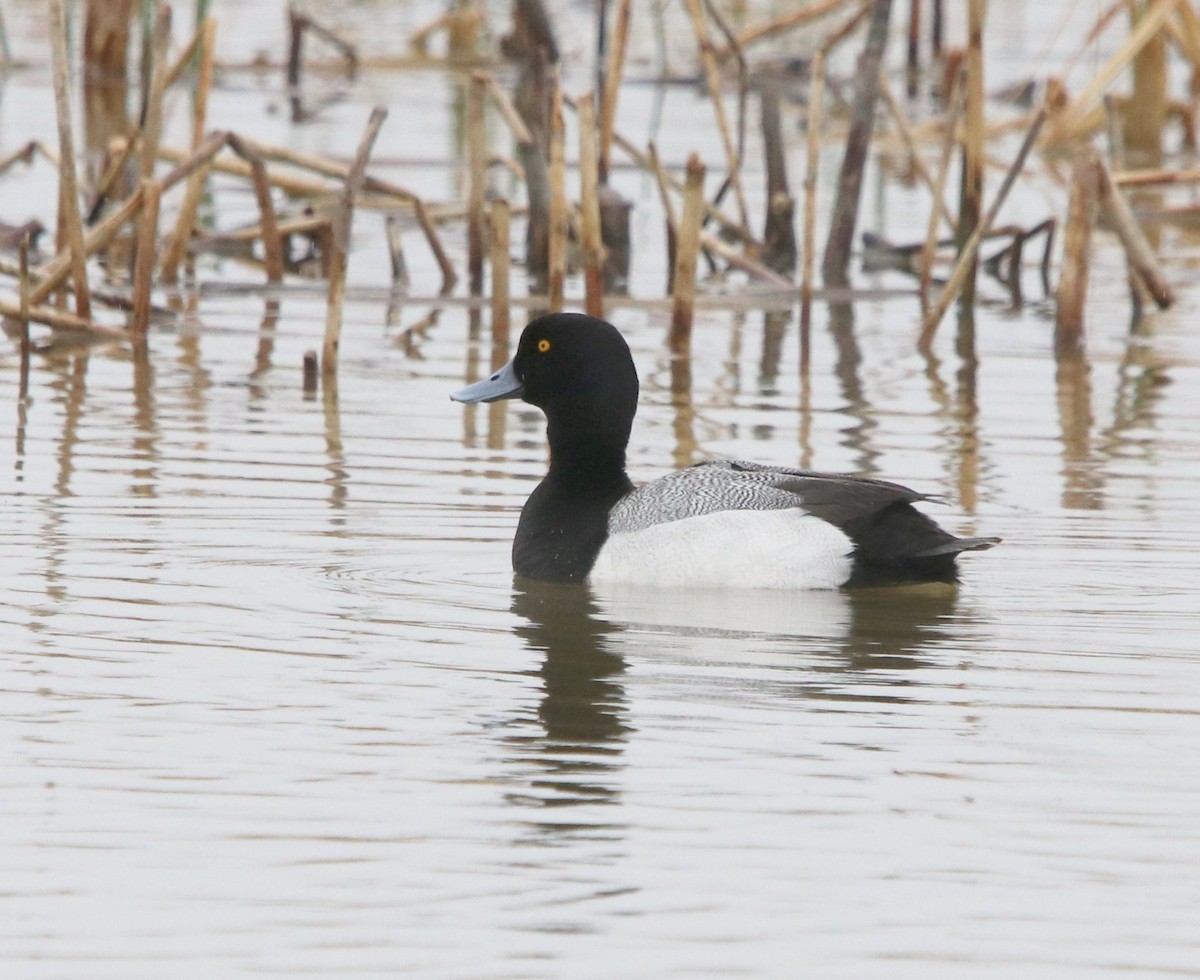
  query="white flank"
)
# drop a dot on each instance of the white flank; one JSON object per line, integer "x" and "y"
{"x": 760, "y": 549}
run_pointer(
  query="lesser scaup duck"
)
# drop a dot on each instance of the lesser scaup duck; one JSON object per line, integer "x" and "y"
{"x": 715, "y": 524}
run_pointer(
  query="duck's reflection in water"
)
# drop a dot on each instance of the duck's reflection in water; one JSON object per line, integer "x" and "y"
{"x": 865, "y": 646}
{"x": 582, "y": 712}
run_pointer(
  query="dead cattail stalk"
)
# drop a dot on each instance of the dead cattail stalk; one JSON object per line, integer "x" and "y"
{"x": 780, "y": 24}
{"x": 273, "y": 252}
{"x": 712, "y": 78}
{"x": 949, "y": 140}
{"x": 1142, "y": 260}
{"x": 508, "y": 112}
{"x": 914, "y": 154}
{"x": 1073, "y": 280}
{"x": 779, "y": 231}
{"x": 500, "y": 214}
{"x": 341, "y": 244}
{"x": 970, "y": 206}
{"x": 557, "y": 252}
{"x": 668, "y": 204}
{"x": 152, "y": 116}
{"x": 912, "y": 65}
{"x": 62, "y": 321}
{"x": 391, "y": 227}
{"x": 1146, "y": 113}
{"x": 23, "y": 318}
{"x": 311, "y": 372}
{"x": 967, "y": 256}
{"x": 589, "y": 207}
{"x": 687, "y": 250}
{"x": 845, "y": 209}
{"x": 68, "y": 192}
{"x": 1072, "y": 122}
{"x": 816, "y": 99}
{"x": 477, "y": 181}
{"x": 143, "y": 267}
{"x": 613, "y": 70}
{"x": 177, "y": 246}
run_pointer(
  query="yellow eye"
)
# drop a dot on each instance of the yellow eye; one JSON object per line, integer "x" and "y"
{"x": 543, "y": 345}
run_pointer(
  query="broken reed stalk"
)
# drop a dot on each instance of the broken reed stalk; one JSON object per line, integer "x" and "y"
{"x": 966, "y": 258}
{"x": 153, "y": 117}
{"x": 143, "y": 266}
{"x": 477, "y": 181}
{"x": 686, "y": 252}
{"x": 391, "y": 228}
{"x": 589, "y": 207}
{"x": 780, "y": 24}
{"x": 341, "y": 244}
{"x": 970, "y": 205}
{"x": 176, "y": 248}
{"x": 668, "y": 205}
{"x": 779, "y": 229}
{"x": 303, "y": 187}
{"x": 557, "y": 251}
{"x": 914, "y": 155}
{"x": 508, "y": 111}
{"x": 1146, "y": 113}
{"x": 931, "y": 232}
{"x": 501, "y": 243}
{"x": 62, "y": 321}
{"x": 273, "y": 253}
{"x": 68, "y": 192}
{"x": 1071, "y": 295}
{"x": 1072, "y": 121}
{"x": 23, "y": 317}
{"x": 613, "y": 70}
{"x": 1142, "y": 260}
{"x": 849, "y": 191}
{"x": 816, "y": 99}
{"x": 712, "y": 78}
{"x": 711, "y": 213}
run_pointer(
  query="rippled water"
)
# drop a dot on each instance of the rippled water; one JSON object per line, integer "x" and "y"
{"x": 273, "y": 704}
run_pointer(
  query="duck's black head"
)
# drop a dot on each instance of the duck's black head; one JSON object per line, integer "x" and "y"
{"x": 578, "y": 370}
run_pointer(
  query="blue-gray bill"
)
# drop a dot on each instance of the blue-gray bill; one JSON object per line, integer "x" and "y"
{"x": 503, "y": 384}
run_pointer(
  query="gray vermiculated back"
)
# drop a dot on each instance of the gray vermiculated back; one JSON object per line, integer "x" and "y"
{"x": 739, "y": 485}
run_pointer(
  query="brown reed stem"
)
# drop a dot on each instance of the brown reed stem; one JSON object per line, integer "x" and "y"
{"x": 845, "y": 208}
{"x": 687, "y": 251}
{"x": 668, "y": 205}
{"x": 501, "y": 243}
{"x": 557, "y": 263}
{"x": 272, "y": 241}
{"x": 589, "y": 207}
{"x": 391, "y": 228}
{"x": 816, "y": 100}
{"x": 177, "y": 247}
{"x": 23, "y": 316}
{"x": 712, "y": 78}
{"x": 949, "y": 140}
{"x": 68, "y": 191}
{"x": 779, "y": 25}
{"x": 1071, "y": 295}
{"x": 508, "y": 112}
{"x": 914, "y": 154}
{"x": 477, "y": 181}
{"x": 974, "y": 148}
{"x": 966, "y": 258}
{"x": 1142, "y": 260}
{"x": 153, "y": 118}
{"x": 341, "y": 244}
{"x": 613, "y": 71}
{"x": 143, "y": 266}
